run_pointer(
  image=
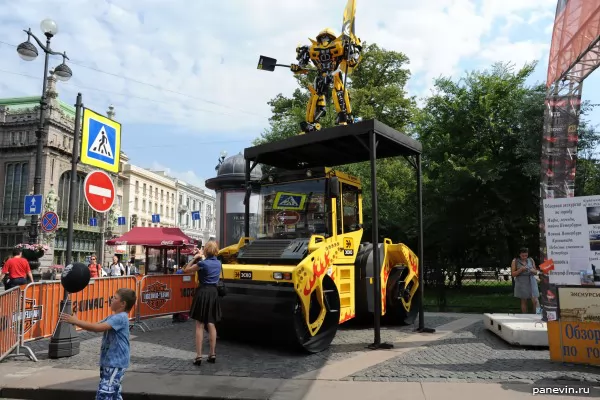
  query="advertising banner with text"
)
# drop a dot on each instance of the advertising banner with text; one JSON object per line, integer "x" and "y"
{"x": 576, "y": 336}
{"x": 573, "y": 240}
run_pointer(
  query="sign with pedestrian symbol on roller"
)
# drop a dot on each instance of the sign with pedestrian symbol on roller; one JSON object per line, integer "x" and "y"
{"x": 100, "y": 141}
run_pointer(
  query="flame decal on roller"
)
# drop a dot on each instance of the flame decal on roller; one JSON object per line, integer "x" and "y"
{"x": 319, "y": 267}
{"x": 413, "y": 263}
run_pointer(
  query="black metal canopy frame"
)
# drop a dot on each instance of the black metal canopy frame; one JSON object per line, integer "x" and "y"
{"x": 364, "y": 141}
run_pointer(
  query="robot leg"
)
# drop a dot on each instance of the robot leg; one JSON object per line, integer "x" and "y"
{"x": 341, "y": 100}
{"x": 315, "y": 109}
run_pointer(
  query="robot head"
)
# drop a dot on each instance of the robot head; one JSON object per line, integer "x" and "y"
{"x": 326, "y": 36}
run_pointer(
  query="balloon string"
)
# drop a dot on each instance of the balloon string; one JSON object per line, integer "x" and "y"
{"x": 59, "y": 315}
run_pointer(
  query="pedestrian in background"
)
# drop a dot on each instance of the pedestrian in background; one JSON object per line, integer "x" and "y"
{"x": 116, "y": 268}
{"x": 94, "y": 267}
{"x": 206, "y": 308}
{"x": 526, "y": 287}
{"x": 17, "y": 268}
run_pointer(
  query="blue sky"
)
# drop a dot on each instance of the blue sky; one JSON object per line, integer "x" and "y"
{"x": 182, "y": 76}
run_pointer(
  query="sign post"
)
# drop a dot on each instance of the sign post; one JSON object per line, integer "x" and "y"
{"x": 65, "y": 341}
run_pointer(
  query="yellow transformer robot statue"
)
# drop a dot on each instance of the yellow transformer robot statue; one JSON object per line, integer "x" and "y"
{"x": 331, "y": 56}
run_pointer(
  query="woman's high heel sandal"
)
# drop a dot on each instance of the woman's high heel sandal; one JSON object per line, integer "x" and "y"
{"x": 198, "y": 361}
{"x": 212, "y": 359}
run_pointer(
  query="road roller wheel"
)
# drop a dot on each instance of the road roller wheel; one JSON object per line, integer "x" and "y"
{"x": 325, "y": 335}
{"x": 396, "y": 313}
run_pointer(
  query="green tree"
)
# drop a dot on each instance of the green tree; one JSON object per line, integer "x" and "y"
{"x": 481, "y": 138}
{"x": 377, "y": 91}
{"x": 587, "y": 176}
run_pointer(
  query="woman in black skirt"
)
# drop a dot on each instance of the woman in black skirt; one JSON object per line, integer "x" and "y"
{"x": 206, "y": 309}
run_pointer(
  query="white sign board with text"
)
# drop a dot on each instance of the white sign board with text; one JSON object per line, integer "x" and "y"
{"x": 573, "y": 239}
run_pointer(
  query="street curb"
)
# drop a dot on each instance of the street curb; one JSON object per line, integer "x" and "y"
{"x": 86, "y": 394}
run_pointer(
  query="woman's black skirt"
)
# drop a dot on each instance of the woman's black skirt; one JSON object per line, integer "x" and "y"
{"x": 205, "y": 306}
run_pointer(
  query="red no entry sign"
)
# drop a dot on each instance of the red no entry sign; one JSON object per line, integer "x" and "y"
{"x": 99, "y": 191}
{"x": 288, "y": 217}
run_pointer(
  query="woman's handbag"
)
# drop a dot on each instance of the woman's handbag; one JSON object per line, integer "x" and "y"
{"x": 221, "y": 288}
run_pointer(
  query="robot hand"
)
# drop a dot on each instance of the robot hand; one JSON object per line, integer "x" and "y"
{"x": 297, "y": 69}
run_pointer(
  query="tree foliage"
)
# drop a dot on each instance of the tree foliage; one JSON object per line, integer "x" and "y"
{"x": 481, "y": 139}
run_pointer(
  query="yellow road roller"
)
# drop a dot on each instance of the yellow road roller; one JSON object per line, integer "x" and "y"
{"x": 306, "y": 267}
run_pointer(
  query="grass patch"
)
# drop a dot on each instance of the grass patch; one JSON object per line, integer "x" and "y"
{"x": 476, "y": 299}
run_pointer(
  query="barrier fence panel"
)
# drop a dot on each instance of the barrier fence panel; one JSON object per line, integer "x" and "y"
{"x": 165, "y": 294}
{"x": 9, "y": 321}
{"x": 41, "y": 302}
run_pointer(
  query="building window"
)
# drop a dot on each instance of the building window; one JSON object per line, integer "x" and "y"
{"x": 149, "y": 206}
{"x": 135, "y": 204}
{"x": 83, "y": 212}
{"x": 143, "y": 205}
{"x": 180, "y": 199}
{"x": 16, "y": 176}
{"x": 144, "y": 190}
{"x": 172, "y": 212}
{"x": 162, "y": 195}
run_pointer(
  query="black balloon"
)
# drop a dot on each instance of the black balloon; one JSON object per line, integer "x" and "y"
{"x": 75, "y": 277}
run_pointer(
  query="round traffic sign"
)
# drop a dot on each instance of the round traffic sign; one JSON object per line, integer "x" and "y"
{"x": 288, "y": 217}
{"x": 99, "y": 191}
{"x": 49, "y": 221}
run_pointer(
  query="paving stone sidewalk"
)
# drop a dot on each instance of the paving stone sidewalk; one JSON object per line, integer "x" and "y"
{"x": 474, "y": 354}
{"x": 170, "y": 347}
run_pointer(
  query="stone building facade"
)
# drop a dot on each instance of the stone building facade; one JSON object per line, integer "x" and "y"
{"x": 19, "y": 118}
{"x": 147, "y": 193}
{"x": 191, "y": 198}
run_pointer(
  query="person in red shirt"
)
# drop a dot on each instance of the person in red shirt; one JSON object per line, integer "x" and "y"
{"x": 17, "y": 269}
{"x": 94, "y": 268}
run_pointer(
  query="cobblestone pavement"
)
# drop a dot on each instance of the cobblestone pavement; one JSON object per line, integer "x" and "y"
{"x": 475, "y": 354}
{"x": 169, "y": 348}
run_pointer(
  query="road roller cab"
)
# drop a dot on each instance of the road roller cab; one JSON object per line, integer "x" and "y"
{"x": 306, "y": 268}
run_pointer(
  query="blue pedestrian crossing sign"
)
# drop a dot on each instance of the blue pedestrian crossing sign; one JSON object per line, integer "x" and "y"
{"x": 195, "y": 215}
{"x": 33, "y": 204}
{"x": 155, "y": 218}
{"x": 100, "y": 141}
{"x": 93, "y": 222}
{"x": 121, "y": 221}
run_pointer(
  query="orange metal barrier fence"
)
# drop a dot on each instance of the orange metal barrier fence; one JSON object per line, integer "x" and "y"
{"x": 32, "y": 312}
{"x": 41, "y": 303}
{"x": 165, "y": 294}
{"x": 9, "y": 321}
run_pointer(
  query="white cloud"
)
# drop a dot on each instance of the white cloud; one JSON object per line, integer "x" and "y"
{"x": 209, "y": 50}
{"x": 518, "y": 53}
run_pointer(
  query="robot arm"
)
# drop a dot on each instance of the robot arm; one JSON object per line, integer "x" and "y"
{"x": 352, "y": 54}
{"x": 303, "y": 57}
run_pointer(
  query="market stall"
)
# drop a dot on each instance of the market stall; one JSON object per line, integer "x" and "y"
{"x": 158, "y": 243}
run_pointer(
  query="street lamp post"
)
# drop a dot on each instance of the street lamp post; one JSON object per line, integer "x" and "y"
{"x": 28, "y": 52}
